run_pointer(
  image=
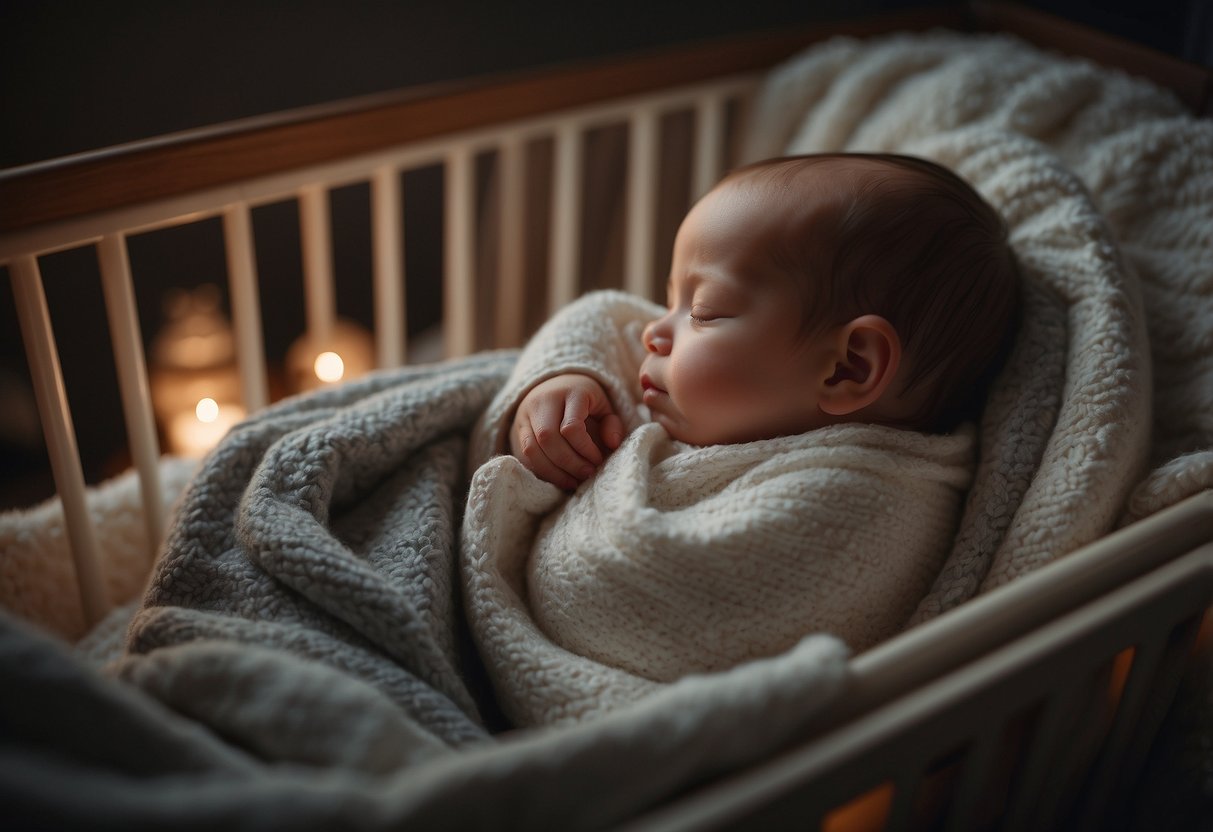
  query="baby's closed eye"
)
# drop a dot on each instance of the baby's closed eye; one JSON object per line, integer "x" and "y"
{"x": 702, "y": 314}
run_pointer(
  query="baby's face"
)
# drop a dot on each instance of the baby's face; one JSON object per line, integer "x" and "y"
{"x": 728, "y": 362}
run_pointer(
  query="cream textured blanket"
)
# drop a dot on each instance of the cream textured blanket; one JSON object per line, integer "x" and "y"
{"x": 676, "y": 559}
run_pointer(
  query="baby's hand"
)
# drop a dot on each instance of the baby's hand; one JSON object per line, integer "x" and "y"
{"x": 564, "y": 428}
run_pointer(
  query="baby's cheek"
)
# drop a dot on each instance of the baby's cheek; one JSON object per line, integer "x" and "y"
{"x": 715, "y": 381}
{"x": 695, "y": 376}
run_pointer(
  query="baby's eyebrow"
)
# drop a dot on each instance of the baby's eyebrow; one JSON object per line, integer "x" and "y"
{"x": 691, "y": 281}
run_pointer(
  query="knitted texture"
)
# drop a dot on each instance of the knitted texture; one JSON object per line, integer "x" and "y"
{"x": 676, "y": 559}
{"x": 324, "y": 528}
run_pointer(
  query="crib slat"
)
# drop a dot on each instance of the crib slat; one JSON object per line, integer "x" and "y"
{"x": 387, "y": 233}
{"x": 132, "y": 380}
{"x": 459, "y": 288}
{"x": 1085, "y": 734}
{"x": 39, "y": 338}
{"x": 709, "y": 143}
{"x": 246, "y": 305}
{"x": 974, "y": 776}
{"x": 511, "y": 285}
{"x": 642, "y": 202}
{"x": 1047, "y": 735}
{"x": 1165, "y": 683}
{"x": 564, "y": 269}
{"x": 1146, "y": 658}
{"x": 316, "y": 234}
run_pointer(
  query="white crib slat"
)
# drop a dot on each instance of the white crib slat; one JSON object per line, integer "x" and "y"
{"x": 316, "y": 234}
{"x": 132, "y": 380}
{"x": 388, "y": 240}
{"x": 564, "y": 280}
{"x": 246, "y": 305}
{"x": 709, "y": 143}
{"x": 642, "y": 202}
{"x": 511, "y": 286}
{"x": 459, "y": 299}
{"x": 39, "y": 338}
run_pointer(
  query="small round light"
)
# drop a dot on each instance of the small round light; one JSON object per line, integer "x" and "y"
{"x": 207, "y": 410}
{"x": 329, "y": 367}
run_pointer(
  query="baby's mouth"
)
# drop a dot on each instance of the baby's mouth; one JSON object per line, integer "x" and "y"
{"x": 651, "y": 390}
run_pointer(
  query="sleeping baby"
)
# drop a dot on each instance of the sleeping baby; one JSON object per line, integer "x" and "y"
{"x": 784, "y": 449}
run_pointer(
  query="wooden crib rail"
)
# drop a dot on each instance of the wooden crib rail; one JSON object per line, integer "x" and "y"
{"x": 155, "y": 169}
{"x": 168, "y": 166}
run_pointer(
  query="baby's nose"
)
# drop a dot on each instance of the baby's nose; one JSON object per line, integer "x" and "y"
{"x": 656, "y": 339}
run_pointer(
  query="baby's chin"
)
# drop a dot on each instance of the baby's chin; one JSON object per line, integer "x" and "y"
{"x": 671, "y": 426}
{"x": 689, "y": 434}
{"x": 681, "y": 432}
{"x": 681, "y": 429}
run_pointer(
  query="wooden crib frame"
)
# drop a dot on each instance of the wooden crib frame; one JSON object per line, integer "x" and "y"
{"x": 954, "y": 683}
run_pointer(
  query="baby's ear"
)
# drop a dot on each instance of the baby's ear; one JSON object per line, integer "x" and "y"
{"x": 866, "y": 355}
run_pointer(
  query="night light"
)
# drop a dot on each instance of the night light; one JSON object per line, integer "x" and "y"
{"x": 329, "y": 367}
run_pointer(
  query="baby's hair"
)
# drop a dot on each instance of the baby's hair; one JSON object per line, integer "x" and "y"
{"x": 924, "y": 251}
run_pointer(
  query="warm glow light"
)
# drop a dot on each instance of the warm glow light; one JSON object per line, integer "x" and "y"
{"x": 193, "y": 434}
{"x": 329, "y": 367}
{"x": 207, "y": 410}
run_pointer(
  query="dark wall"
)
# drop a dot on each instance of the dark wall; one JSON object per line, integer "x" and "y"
{"x": 1183, "y": 28}
{"x": 95, "y": 74}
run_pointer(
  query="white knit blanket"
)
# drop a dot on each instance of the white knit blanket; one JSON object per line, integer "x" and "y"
{"x": 676, "y": 559}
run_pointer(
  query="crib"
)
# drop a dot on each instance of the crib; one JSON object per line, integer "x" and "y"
{"x": 1034, "y": 706}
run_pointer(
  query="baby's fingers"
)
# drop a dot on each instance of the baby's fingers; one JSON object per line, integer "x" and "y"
{"x": 532, "y": 455}
{"x": 612, "y": 430}
{"x": 547, "y": 426}
{"x": 573, "y": 429}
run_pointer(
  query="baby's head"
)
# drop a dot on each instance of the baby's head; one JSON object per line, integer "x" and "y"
{"x": 814, "y": 290}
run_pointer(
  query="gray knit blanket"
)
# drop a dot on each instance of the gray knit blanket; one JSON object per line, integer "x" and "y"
{"x": 300, "y": 661}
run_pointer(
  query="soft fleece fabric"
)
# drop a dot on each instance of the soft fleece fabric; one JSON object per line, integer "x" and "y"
{"x": 676, "y": 559}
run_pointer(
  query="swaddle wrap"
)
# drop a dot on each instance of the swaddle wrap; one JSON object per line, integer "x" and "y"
{"x": 676, "y": 559}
